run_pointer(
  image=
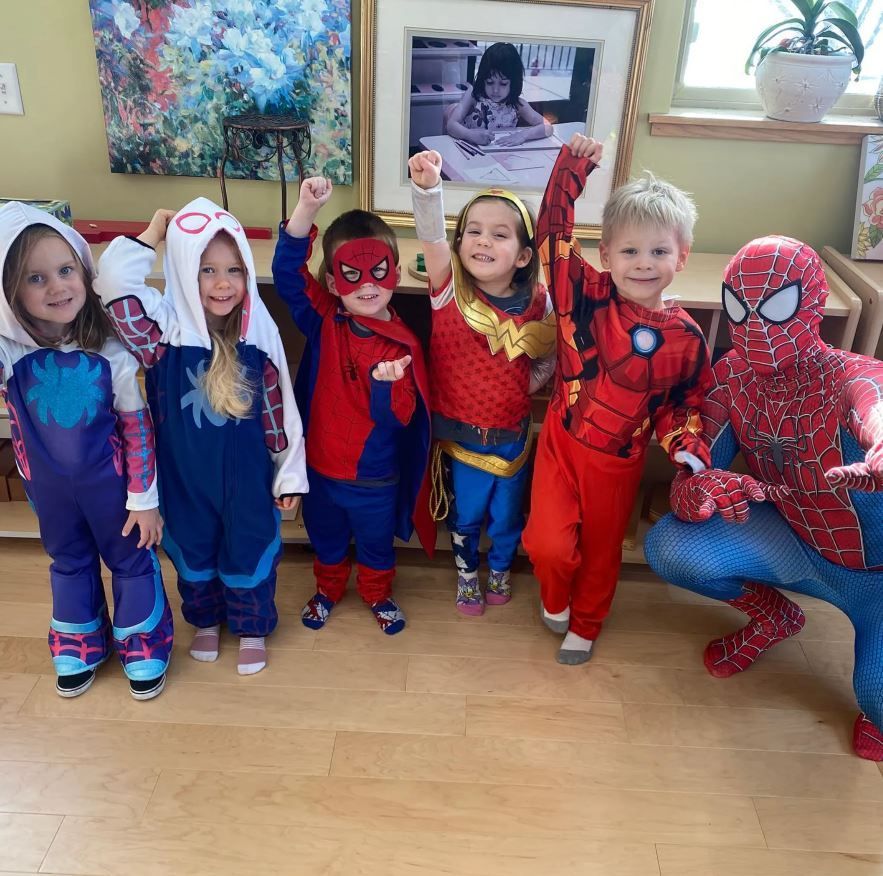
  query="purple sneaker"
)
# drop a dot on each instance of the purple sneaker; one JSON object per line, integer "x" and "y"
{"x": 499, "y": 588}
{"x": 469, "y": 598}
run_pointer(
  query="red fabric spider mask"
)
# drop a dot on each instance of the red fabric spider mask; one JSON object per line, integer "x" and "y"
{"x": 774, "y": 293}
{"x": 366, "y": 261}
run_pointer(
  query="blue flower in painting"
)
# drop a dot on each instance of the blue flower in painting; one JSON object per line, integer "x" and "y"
{"x": 68, "y": 394}
{"x": 170, "y": 71}
{"x": 125, "y": 19}
{"x": 198, "y": 399}
{"x": 190, "y": 27}
{"x": 310, "y": 15}
{"x": 241, "y": 9}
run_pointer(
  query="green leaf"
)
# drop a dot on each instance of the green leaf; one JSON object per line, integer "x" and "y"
{"x": 853, "y": 37}
{"x": 875, "y": 234}
{"x": 862, "y": 242}
{"x": 789, "y": 25}
{"x": 840, "y": 10}
{"x": 805, "y": 7}
{"x": 876, "y": 172}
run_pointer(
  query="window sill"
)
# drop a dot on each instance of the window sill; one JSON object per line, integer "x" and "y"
{"x": 748, "y": 125}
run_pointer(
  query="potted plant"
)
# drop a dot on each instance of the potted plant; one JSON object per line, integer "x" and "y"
{"x": 804, "y": 62}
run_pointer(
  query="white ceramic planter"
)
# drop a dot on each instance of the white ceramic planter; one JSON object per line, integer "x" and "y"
{"x": 801, "y": 88}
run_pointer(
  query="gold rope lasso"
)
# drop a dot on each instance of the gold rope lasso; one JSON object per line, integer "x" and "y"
{"x": 439, "y": 504}
{"x": 438, "y": 495}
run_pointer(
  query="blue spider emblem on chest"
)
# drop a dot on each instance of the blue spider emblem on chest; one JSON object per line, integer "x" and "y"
{"x": 199, "y": 400}
{"x": 69, "y": 395}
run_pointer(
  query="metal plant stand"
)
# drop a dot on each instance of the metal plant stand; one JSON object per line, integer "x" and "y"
{"x": 263, "y": 135}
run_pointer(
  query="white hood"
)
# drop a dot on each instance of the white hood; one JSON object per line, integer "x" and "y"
{"x": 190, "y": 231}
{"x": 14, "y": 218}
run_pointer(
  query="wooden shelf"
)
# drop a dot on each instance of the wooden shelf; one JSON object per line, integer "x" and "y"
{"x": 17, "y": 520}
{"x": 751, "y": 125}
{"x": 865, "y": 279}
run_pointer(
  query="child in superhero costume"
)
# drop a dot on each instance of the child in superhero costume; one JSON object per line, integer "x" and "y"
{"x": 494, "y": 103}
{"x": 229, "y": 437}
{"x": 628, "y": 364}
{"x": 362, "y": 387}
{"x": 493, "y": 342}
{"x": 84, "y": 446}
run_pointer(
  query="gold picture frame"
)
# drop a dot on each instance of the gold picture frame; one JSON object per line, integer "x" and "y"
{"x": 405, "y": 42}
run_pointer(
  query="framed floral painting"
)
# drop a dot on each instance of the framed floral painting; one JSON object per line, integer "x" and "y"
{"x": 568, "y": 66}
{"x": 171, "y": 70}
{"x": 867, "y": 233}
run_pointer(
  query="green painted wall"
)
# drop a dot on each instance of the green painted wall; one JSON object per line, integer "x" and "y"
{"x": 58, "y": 148}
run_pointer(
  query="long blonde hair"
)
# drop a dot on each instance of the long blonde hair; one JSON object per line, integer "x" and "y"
{"x": 227, "y": 387}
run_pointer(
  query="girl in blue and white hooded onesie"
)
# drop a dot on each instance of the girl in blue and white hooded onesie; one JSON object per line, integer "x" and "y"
{"x": 83, "y": 442}
{"x": 223, "y": 455}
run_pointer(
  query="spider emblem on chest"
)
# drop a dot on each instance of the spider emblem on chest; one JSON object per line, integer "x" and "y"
{"x": 781, "y": 452}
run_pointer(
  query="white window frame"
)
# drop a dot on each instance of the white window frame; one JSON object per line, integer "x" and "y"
{"x": 742, "y": 98}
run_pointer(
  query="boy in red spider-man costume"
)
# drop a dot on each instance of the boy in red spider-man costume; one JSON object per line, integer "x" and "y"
{"x": 362, "y": 390}
{"x": 627, "y": 365}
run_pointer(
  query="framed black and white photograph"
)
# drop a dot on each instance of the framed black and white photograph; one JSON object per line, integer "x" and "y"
{"x": 496, "y": 87}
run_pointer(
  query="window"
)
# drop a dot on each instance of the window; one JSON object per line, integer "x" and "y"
{"x": 717, "y": 41}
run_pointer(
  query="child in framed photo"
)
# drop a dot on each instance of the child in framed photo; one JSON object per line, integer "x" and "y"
{"x": 494, "y": 103}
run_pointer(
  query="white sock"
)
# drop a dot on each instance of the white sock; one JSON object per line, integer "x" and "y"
{"x": 560, "y": 616}
{"x": 204, "y": 646}
{"x": 573, "y": 642}
{"x": 252, "y": 655}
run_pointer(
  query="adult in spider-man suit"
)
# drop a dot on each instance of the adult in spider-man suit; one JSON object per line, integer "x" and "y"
{"x": 367, "y": 438}
{"x": 808, "y": 420}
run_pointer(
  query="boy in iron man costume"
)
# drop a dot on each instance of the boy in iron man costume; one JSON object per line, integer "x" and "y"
{"x": 628, "y": 364}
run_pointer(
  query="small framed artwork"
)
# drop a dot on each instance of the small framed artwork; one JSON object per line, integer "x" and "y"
{"x": 867, "y": 232}
{"x": 496, "y": 87}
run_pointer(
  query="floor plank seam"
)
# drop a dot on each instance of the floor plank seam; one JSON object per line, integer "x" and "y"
{"x": 51, "y": 843}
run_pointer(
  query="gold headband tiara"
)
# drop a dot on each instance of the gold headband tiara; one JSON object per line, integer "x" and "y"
{"x": 506, "y": 195}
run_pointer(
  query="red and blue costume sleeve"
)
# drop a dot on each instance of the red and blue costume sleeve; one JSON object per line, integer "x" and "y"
{"x": 402, "y": 404}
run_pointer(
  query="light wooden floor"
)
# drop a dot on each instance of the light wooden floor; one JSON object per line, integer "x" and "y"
{"x": 457, "y": 747}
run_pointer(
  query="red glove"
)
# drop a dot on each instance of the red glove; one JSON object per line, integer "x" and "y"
{"x": 695, "y": 497}
{"x": 866, "y": 477}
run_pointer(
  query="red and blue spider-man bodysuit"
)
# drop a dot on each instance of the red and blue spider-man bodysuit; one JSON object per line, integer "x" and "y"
{"x": 623, "y": 371}
{"x": 808, "y": 420}
{"x": 367, "y": 440}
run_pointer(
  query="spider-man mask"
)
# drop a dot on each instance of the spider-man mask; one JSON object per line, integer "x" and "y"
{"x": 774, "y": 295}
{"x": 366, "y": 261}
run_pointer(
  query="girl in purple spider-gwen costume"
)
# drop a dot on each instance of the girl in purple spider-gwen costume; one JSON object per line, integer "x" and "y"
{"x": 83, "y": 442}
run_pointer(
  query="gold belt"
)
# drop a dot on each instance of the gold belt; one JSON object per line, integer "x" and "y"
{"x": 489, "y": 462}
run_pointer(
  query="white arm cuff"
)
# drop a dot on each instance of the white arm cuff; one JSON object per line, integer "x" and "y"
{"x": 429, "y": 213}
{"x": 685, "y": 458}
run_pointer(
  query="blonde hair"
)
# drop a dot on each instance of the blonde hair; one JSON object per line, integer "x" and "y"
{"x": 227, "y": 388}
{"x": 649, "y": 201}
{"x": 90, "y": 328}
